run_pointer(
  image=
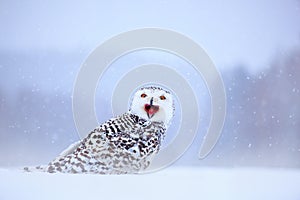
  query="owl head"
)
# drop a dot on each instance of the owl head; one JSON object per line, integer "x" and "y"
{"x": 154, "y": 104}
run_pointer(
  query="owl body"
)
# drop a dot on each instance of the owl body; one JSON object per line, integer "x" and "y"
{"x": 124, "y": 144}
{"x": 121, "y": 145}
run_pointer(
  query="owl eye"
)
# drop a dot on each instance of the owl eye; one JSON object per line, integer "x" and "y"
{"x": 162, "y": 97}
{"x": 143, "y": 95}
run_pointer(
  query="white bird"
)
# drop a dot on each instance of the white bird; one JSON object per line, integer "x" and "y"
{"x": 125, "y": 144}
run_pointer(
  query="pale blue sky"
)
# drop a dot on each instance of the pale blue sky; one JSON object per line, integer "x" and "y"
{"x": 235, "y": 32}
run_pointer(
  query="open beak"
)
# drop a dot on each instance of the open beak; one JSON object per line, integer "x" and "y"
{"x": 151, "y": 109}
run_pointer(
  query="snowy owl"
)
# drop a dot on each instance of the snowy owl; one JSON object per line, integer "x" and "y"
{"x": 121, "y": 145}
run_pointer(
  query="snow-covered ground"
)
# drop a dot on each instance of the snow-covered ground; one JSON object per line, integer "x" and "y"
{"x": 171, "y": 183}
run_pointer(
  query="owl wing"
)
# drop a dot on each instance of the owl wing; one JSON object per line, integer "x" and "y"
{"x": 125, "y": 143}
{"x": 120, "y": 145}
{"x": 130, "y": 134}
{"x": 70, "y": 149}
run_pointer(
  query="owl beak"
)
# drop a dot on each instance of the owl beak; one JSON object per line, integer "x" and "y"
{"x": 151, "y": 109}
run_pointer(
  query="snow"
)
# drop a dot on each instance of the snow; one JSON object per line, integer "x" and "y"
{"x": 171, "y": 183}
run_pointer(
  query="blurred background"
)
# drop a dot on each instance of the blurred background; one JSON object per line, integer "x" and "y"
{"x": 255, "y": 45}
